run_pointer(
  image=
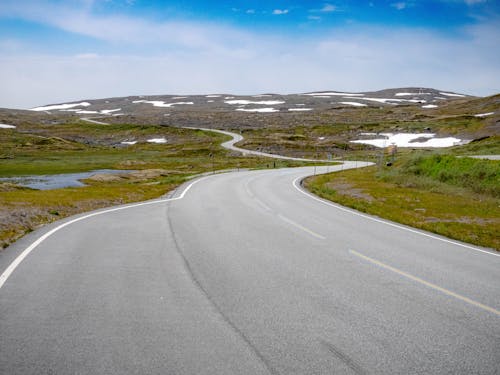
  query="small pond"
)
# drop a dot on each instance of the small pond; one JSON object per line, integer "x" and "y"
{"x": 58, "y": 181}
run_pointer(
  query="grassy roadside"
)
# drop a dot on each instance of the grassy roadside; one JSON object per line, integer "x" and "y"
{"x": 76, "y": 147}
{"x": 455, "y": 197}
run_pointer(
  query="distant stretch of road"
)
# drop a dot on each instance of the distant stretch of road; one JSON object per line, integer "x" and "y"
{"x": 246, "y": 273}
{"x": 88, "y": 119}
{"x": 230, "y": 145}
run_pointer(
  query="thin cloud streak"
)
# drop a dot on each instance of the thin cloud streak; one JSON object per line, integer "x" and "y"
{"x": 125, "y": 29}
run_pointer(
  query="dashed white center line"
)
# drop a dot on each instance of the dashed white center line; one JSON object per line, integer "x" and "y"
{"x": 296, "y": 225}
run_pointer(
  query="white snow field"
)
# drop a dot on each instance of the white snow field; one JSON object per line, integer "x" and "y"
{"x": 451, "y": 94}
{"x": 128, "y": 142}
{"x": 86, "y": 112}
{"x": 108, "y": 111}
{"x": 5, "y": 126}
{"x": 411, "y": 93}
{"x": 326, "y": 94}
{"x": 355, "y": 104}
{"x": 299, "y": 109}
{"x": 158, "y": 103}
{"x": 391, "y": 100}
{"x": 261, "y": 102}
{"x": 262, "y": 110}
{"x": 429, "y": 106}
{"x": 409, "y": 140}
{"x": 484, "y": 114}
{"x": 157, "y": 140}
{"x": 60, "y": 106}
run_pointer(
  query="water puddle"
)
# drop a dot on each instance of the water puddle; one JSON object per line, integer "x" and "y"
{"x": 58, "y": 181}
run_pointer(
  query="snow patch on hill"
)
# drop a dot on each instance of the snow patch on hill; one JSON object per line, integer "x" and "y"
{"x": 60, "y": 106}
{"x": 262, "y": 102}
{"x": 355, "y": 104}
{"x": 484, "y": 114}
{"x": 392, "y": 100}
{"x": 413, "y": 140}
{"x": 326, "y": 94}
{"x": 411, "y": 93}
{"x": 451, "y": 94}
{"x": 158, "y": 103}
{"x": 157, "y": 140}
{"x": 108, "y": 111}
{"x": 262, "y": 110}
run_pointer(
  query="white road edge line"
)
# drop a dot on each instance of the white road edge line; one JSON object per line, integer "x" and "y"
{"x": 426, "y": 283}
{"x": 16, "y": 262}
{"x": 353, "y": 212}
{"x": 296, "y": 225}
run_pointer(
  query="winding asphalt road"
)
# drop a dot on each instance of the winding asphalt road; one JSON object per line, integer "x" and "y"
{"x": 246, "y": 273}
{"x": 230, "y": 145}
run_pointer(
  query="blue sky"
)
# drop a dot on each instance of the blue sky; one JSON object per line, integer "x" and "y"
{"x": 58, "y": 51}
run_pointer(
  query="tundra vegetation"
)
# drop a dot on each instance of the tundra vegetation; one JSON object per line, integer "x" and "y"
{"x": 437, "y": 191}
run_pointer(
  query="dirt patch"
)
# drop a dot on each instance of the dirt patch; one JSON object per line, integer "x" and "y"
{"x": 463, "y": 220}
{"x": 343, "y": 188}
{"x": 8, "y": 186}
{"x": 106, "y": 177}
{"x": 145, "y": 174}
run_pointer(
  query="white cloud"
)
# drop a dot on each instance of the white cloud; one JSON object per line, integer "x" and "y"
{"x": 467, "y": 2}
{"x": 327, "y": 8}
{"x": 250, "y": 11}
{"x": 399, "y": 6}
{"x": 474, "y": 2}
{"x": 123, "y": 29}
{"x": 280, "y": 11}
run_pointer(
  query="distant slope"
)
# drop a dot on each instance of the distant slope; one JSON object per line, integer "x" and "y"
{"x": 398, "y": 109}
{"x": 264, "y": 103}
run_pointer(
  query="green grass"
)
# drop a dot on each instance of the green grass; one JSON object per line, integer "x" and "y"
{"x": 479, "y": 176}
{"x": 486, "y": 146}
{"x": 457, "y": 198}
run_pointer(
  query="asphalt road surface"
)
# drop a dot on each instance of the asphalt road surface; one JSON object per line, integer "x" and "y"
{"x": 245, "y": 273}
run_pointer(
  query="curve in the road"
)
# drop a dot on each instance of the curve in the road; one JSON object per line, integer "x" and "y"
{"x": 17, "y": 261}
{"x": 283, "y": 284}
{"x": 230, "y": 145}
{"x": 88, "y": 119}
